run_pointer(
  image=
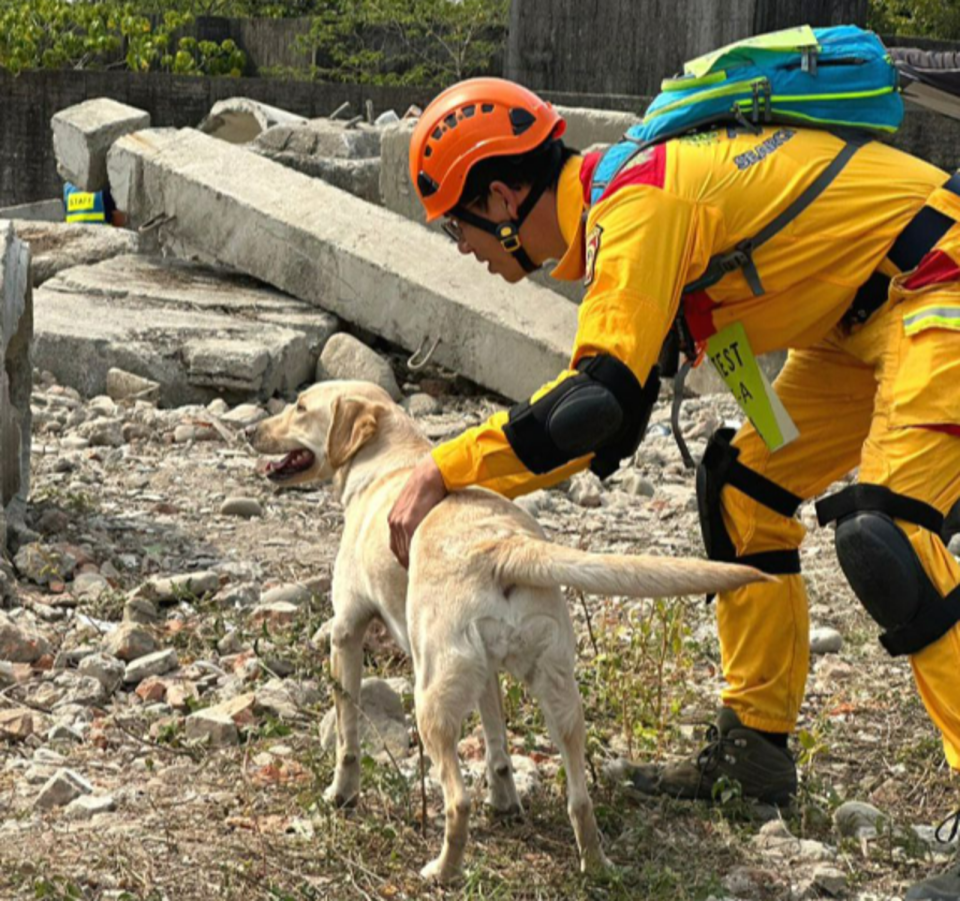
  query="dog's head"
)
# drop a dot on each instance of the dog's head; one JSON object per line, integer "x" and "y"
{"x": 321, "y": 432}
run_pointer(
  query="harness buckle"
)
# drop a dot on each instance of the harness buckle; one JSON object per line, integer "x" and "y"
{"x": 509, "y": 236}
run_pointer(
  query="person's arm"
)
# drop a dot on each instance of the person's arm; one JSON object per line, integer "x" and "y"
{"x": 643, "y": 251}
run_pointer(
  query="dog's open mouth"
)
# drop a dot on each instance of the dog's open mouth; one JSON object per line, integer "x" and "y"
{"x": 291, "y": 465}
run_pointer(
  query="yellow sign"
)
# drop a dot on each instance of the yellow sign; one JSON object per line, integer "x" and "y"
{"x": 799, "y": 38}
{"x": 731, "y": 354}
{"x": 80, "y": 201}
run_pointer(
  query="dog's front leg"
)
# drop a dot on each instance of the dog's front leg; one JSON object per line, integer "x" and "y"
{"x": 346, "y": 661}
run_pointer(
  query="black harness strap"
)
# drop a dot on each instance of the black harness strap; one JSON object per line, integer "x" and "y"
{"x": 722, "y": 456}
{"x": 879, "y": 499}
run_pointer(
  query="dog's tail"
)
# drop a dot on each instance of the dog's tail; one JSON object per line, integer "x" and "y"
{"x": 524, "y": 560}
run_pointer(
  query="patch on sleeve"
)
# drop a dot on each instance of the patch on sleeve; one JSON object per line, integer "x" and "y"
{"x": 593, "y": 248}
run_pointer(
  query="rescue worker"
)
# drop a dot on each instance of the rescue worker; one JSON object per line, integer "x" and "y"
{"x": 863, "y": 287}
{"x": 89, "y": 207}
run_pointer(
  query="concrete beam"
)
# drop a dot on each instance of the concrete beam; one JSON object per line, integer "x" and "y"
{"x": 82, "y": 135}
{"x": 16, "y": 377}
{"x": 238, "y": 120}
{"x": 361, "y": 262}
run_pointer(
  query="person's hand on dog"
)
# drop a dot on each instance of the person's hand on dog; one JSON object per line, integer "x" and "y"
{"x": 423, "y": 491}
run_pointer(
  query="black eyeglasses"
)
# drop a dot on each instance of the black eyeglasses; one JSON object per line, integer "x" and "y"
{"x": 451, "y": 228}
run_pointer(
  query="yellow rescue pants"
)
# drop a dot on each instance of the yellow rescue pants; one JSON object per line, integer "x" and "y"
{"x": 866, "y": 396}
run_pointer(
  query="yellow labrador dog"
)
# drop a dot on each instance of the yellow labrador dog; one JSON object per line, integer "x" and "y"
{"x": 482, "y": 595}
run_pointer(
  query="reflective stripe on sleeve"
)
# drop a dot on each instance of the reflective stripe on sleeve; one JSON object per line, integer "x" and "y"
{"x": 932, "y": 317}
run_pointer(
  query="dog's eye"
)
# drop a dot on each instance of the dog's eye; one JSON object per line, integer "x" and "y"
{"x": 301, "y": 408}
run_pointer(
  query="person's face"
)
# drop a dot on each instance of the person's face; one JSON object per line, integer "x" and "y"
{"x": 486, "y": 248}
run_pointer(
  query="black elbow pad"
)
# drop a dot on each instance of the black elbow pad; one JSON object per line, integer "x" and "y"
{"x": 602, "y": 410}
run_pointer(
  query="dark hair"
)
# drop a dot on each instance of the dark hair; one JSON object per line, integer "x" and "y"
{"x": 515, "y": 171}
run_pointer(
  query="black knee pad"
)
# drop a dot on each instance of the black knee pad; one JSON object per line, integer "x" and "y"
{"x": 886, "y": 576}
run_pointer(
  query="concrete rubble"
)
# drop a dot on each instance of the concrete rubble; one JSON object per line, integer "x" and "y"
{"x": 221, "y": 203}
{"x": 82, "y": 135}
{"x": 345, "y": 156}
{"x": 55, "y": 246}
{"x": 197, "y": 332}
{"x": 239, "y": 120}
{"x": 16, "y": 378}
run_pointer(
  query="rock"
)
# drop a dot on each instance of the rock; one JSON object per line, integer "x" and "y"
{"x": 185, "y": 586}
{"x": 954, "y": 545}
{"x": 107, "y": 670}
{"x": 585, "y": 490}
{"x": 831, "y": 880}
{"x": 43, "y": 564}
{"x": 62, "y": 787}
{"x": 20, "y": 645}
{"x": 86, "y": 807}
{"x": 292, "y": 593}
{"x": 181, "y": 693}
{"x": 634, "y": 484}
{"x": 155, "y": 664}
{"x": 851, "y": 817}
{"x": 103, "y": 433}
{"x": 246, "y": 507}
{"x": 152, "y": 690}
{"x": 245, "y": 415}
{"x": 421, "y": 405}
{"x": 217, "y": 730}
{"x": 274, "y": 699}
{"x": 89, "y": 586}
{"x": 123, "y": 385}
{"x": 344, "y": 357}
{"x": 129, "y": 641}
{"x": 825, "y": 640}
{"x": 184, "y": 433}
{"x": 383, "y": 721}
{"x": 17, "y": 723}
{"x": 70, "y": 689}
{"x": 231, "y": 643}
{"x": 526, "y": 775}
{"x": 140, "y": 610}
{"x": 277, "y": 615}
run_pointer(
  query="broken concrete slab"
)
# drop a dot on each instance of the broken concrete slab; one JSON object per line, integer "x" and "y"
{"x": 323, "y": 138}
{"x": 586, "y": 126}
{"x": 16, "y": 378}
{"x": 41, "y": 211}
{"x": 82, "y": 135}
{"x": 347, "y": 158}
{"x": 55, "y": 246}
{"x": 239, "y": 120}
{"x": 354, "y": 259}
{"x": 154, "y": 318}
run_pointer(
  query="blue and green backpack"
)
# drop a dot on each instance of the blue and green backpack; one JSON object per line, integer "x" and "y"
{"x": 839, "y": 78}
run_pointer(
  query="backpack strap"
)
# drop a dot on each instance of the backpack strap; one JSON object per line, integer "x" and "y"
{"x": 741, "y": 256}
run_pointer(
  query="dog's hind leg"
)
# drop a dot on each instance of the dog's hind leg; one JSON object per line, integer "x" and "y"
{"x": 346, "y": 664}
{"x": 554, "y": 685}
{"x": 441, "y": 708}
{"x": 502, "y": 796}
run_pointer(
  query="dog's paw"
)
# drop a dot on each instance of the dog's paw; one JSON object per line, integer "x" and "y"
{"x": 339, "y": 798}
{"x": 595, "y": 863}
{"x": 504, "y": 809}
{"x": 435, "y": 872}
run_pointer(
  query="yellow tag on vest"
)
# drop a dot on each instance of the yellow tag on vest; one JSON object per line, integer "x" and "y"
{"x": 731, "y": 354}
{"x": 80, "y": 201}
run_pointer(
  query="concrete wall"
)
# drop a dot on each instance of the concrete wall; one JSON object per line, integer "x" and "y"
{"x": 27, "y": 167}
{"x": 628, "y": 46}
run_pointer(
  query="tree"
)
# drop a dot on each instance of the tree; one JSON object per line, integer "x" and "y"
{"x": 406, "y": 41}
{"x": 922, "y": 18}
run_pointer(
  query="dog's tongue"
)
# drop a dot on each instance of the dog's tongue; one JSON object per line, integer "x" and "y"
{"x": 294, "y": 462}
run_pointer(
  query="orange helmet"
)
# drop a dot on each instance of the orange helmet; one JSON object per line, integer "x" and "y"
{"x": 469, "y": 122}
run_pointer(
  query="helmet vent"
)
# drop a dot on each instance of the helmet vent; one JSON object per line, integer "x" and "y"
{"x": 426, "y": 185}
{"x": 486, "y": 108}
{"x": 521, "y": 120}
{"x": 451, "y": 120}
{"x": 469, "y": 110}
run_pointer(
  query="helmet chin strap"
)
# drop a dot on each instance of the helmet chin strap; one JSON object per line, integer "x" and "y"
{"x": 508, "y": 233}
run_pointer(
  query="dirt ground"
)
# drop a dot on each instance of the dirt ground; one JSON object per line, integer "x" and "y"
{"x": 248, "y": 821}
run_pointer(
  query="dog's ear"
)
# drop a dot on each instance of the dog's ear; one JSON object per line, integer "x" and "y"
{"x": 353, "y": 424}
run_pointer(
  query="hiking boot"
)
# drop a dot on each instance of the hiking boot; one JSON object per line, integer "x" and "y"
{"x": 733, "y": 753}
{"x": 946, "y": 886}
